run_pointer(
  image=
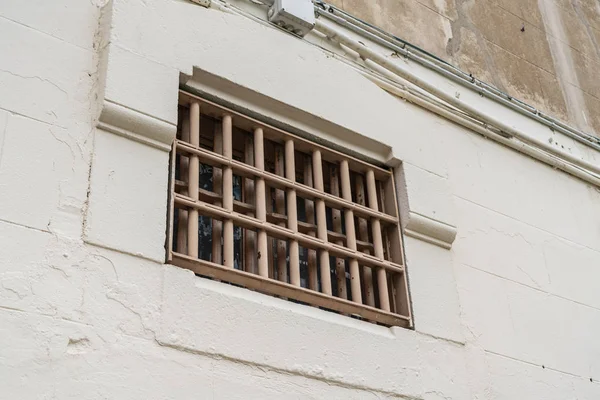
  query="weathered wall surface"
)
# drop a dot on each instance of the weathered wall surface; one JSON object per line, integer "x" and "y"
{"x": 88, "y": 310}
{"x": 544, "y": 52}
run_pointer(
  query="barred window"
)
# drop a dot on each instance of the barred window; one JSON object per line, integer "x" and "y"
{"x": 261, "y": 208}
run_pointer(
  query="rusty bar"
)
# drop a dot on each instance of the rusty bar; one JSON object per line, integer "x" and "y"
{"x": 280, "y": 182}
{"x": 249, "y": 197}
{"x": 217, "y": 226}
{"x": 276, "y": 134}
{"x": 384, "y": 301}
{"x": 396, "y": 252}
{"x": 261, "y": 204}
{"x": 228, "y": 256}
{"x": 280, "y": 209}
{"x": 271, "y": 242}
{"x": 292, "y": 213}
{"x": 350, "y": 232}
{"x": 313, "y": 280}
{"x": 193, "y": 180}
{"x": 336, "y": 216}
{"x": 321, "y": 222}
{"x": 283, "y": 233}
{"x": 363, "y": 234}
{"x": 184, "y": 163}
{"x": 285, "y": 290}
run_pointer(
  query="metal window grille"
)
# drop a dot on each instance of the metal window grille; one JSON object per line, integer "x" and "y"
{"x": 261, "y": 208}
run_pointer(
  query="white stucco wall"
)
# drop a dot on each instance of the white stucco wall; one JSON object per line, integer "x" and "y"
{"x": 89, "y": 311}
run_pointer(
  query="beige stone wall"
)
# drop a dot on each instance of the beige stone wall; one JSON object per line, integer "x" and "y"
{"x": 544, "y": 52}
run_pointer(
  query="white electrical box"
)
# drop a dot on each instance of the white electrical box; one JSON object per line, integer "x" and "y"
{"x": 297, "y": 16}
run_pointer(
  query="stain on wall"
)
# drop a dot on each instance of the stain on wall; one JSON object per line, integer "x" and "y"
{"x": 544, "y": 52}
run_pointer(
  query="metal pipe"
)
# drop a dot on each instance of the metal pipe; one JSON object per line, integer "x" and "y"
{"x": 404, "y": 73}
{"x": 521, "y": 147}
{"x": 462, "y": 78}
{"x": 444, "y": 68}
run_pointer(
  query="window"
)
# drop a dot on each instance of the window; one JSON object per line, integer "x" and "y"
{"x": 261, "y": 208}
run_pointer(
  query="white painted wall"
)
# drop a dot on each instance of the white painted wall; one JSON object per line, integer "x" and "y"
{"x": 88, "y": 310}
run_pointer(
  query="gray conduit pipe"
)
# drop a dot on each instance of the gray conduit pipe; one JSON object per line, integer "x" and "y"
{"x": 481, "y": 129}
{"x": 388, "y": 83}
{"x": 461, "y": 78}
{"x": 398, "y": 69}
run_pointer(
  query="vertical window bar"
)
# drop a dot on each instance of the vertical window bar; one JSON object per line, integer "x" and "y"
{"x": 249, "y": 197}
{"x": 396, "y": 252}
{"x": 261, "y": 203}
{"x": 387, "y": 249}
{"x": 183, "y": 171}
{"x": 384, "y": 301}
{"x": 321, "y": 223}
{"x": 271, "y": 243}
{"x": 217, "y": 226}
{"x": 350, "y": 233}
{"x": 280, "y": 209}
{"x": 250, "y": 240}
{"x": 292, "y": 213}
{"x": 336, "y": 216}
{"x": 313, "y": 282}
{"x": 193, "y": 180}
{"x": 227, "y": 193}
{"x": 363, "y": 234}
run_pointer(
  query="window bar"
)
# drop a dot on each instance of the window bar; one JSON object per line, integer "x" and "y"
{"x": 183, "y": 170}
{"x": 363, "y": 234}
{"x": 309, "y": 205}
{"x": 249, "y": 197}
{"x": 336, "y": 217}
{"x": 386, "y": 247}
{"x": 261, "y": 203}
{"x": 279, "y": 181}
{"x": 283, "y": 233}
{"x": 384, "y": 231}
{"x": 384, "y": 301}
{"x": 376, "y": 269}
{"x": 193, "y": 180}
{"x": 321, "y": 223}
{"x": 228, "y": 241}
{"x": 272, "y": 243}
{"x": 350, "y": 233}
{"x": 292, "y": 213}
{"x": 280, "y": 209}
{"x": 396, "y": 252}
{"x": 217, "y": 226}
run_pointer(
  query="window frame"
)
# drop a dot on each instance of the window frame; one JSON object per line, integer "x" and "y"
{"x": 398, "y": 315}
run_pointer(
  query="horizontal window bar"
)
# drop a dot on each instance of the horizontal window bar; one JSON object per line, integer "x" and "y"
{"x": 276, "y": 134}
{"x": 244, "y": 170}
{"x": 285, "y": 290}
{"x": 283, "y": 233}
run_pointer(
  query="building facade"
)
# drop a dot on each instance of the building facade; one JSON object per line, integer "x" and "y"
{"x": 497, "y": 205}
